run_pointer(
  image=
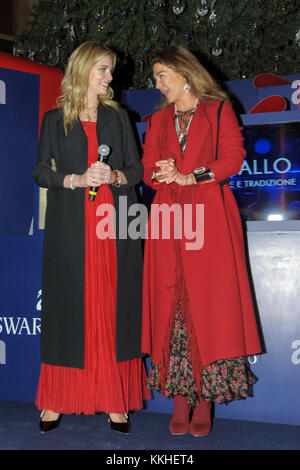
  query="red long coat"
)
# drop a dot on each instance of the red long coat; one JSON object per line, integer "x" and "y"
{"x": 213, "y": 280}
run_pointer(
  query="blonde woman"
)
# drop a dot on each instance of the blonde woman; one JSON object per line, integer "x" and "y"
{"x": 198, "y": 318}
{"x": 91, "y": 305}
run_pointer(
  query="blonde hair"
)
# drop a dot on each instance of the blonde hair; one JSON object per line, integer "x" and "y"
{"x": 75, "y": 82}
{"x": 182, "y": 61}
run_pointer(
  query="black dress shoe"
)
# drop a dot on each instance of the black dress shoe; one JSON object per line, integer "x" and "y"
{"x": 123, "y": 428}
{"x": 46, "y": 426}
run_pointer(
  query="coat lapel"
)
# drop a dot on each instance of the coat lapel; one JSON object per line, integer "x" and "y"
{"x": 73, "y": 146}
{"x": 198, "y": 149}
{"x": 199, "y": 140}
{"x": 103, "y": 119}
{"x": 172, "y": 148}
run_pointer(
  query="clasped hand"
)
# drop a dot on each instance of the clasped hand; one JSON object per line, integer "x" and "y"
{"x": 168, "y": 173}
{"x": 98, "y": 173}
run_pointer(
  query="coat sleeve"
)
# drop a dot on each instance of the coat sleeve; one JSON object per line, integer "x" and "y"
{"x": 231, "y": 152}
{"x": 133, "y": 169}
{"x": 150, "y": 156}
{"x": 43, "y": 173}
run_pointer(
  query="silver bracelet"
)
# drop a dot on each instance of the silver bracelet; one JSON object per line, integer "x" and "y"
{"x": 71, "y": 182}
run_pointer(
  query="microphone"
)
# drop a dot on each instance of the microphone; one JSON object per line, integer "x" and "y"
{"x": 103, "y": 153}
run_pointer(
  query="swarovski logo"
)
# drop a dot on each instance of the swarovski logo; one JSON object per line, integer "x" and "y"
{"x": 2, "y": 92}
{"x": 20, "y": 325}
{"x": 14, "y": 325}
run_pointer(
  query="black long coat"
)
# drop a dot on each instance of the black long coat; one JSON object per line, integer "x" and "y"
{"x": 62, "y": 335}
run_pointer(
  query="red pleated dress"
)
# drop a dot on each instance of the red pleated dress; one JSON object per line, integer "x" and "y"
{"x": 104, "y": 384}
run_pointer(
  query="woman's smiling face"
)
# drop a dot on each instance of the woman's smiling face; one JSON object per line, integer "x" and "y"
{"x": 100, "y": 76}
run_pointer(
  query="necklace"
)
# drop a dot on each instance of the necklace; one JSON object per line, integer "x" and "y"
{"x": 182, "y": 136}
{"x": 91, "y": 115}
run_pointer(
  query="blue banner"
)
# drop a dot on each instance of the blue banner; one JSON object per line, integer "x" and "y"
{"x": 19, "y": 114}
{"x": 20, "y": 311}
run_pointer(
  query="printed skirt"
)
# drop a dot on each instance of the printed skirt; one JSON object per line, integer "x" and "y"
{"x": 222, "y": 381}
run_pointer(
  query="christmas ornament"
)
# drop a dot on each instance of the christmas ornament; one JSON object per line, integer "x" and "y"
{"x": 203, "y": 10}
{"x": 55, "y": 57}
{"x": 254, "y": 26}
{"x": 150, "y": 83}
{"x": 213, "y": 17}
{"x": 178, "y": 8}
{"x": 31, "y": 55}
{"x": 217, "y": 51}
{"x": 71, "y": 33}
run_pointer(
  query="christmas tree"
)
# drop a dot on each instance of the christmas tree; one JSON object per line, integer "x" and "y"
{"x": 234, "y": 39}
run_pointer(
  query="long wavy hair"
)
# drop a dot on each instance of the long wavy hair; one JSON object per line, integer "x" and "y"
{"x": 76, "y": 79}
{"x": 182, "y": 61}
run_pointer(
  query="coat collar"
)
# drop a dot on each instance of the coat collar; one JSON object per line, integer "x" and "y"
{"x": 103, "y": 116}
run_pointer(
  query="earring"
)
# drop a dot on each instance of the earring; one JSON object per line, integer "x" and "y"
{"x": 186, "y": 87}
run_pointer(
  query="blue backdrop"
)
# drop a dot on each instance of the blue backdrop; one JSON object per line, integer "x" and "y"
{"x": 20, "y": 284}
{"x": 18, "y": 137}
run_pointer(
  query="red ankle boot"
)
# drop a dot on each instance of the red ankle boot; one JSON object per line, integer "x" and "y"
{"x": 201, "y": 420}
{"x": 179, "y": 423}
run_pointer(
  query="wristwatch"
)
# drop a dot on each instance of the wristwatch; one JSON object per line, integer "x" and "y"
{"x": 203, "y": 173}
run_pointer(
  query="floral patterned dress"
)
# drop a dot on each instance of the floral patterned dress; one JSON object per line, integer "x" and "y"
{"x": 223, "y": 380}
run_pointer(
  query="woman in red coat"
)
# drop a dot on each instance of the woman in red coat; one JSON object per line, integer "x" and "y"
{"x": 198, "y": 320}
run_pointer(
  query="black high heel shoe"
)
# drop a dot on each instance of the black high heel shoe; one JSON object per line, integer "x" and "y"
{"x": 123, "y": 428}
{"x": 46, "y": 426}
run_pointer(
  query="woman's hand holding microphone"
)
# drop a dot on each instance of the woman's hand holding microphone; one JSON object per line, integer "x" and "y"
{"x": 96, "y": 174}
